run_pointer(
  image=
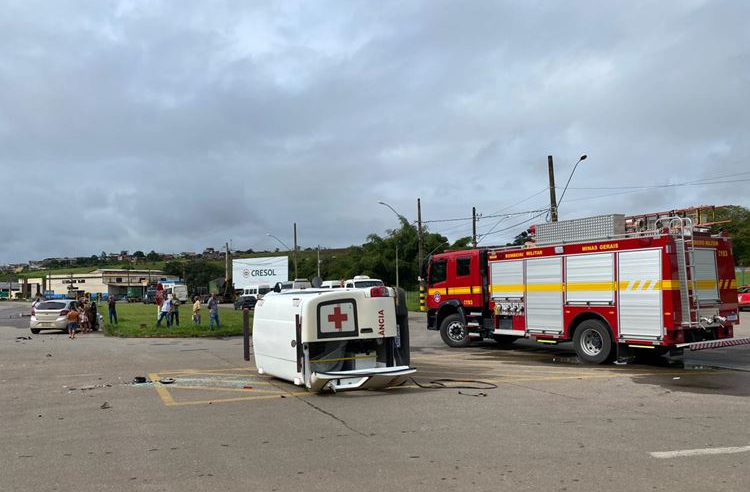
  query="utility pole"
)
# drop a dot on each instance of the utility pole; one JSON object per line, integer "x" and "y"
{"x": 226, "y": 268}
{"x": 420, "y": 235}
{"x": 420, "y": 259}
{"x": 552, "y": 197}
{"x": 318, "y": 260}
{"x": 474, "y": 226}
{"x": 295, "y": 251}
{"x": 396, "y": 268}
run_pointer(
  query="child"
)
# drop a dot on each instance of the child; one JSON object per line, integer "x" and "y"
{"x": 72, "y": 323}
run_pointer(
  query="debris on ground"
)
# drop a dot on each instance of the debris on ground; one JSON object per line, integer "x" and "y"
{"x": 18, "y": 339}
{"x": 480, "y": 394}
{"x": 140, "y": 380}
{"x": 166, "y": 380}
{"x": 105, "y": 406}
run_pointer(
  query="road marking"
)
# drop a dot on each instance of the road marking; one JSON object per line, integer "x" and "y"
{"x": 161, "y": 390}
{"x": 236, "y": 390}
{"x": 699, "y": 452}
{"x": 243, "y": 379}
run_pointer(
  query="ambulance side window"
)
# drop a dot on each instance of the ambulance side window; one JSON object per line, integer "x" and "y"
{"x": 438, "y": 271}
{"x": 463, "y": 266}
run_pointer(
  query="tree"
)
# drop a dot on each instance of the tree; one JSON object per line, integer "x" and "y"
{"x": 196, "y": 273}
{"x": 139, "y": 254}
{"x": 153, "y": 256}
{"x": 738, "y": 228}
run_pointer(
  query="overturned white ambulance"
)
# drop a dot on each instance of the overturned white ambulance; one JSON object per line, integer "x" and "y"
{"x": 332, "y": 339}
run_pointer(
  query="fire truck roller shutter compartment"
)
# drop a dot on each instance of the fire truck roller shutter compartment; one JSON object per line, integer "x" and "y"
{"x": 706, "y": 278}
{"x": 640, "y": 294}
{"x": 590, "y": 279}
{"x": 506, "y": 280}
{"x": 544, "y": 311}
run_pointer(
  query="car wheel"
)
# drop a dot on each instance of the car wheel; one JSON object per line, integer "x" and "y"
{"x": 593, "y": 342}
{"x": 454, "y": 331}
{"x": 35, "y": 331}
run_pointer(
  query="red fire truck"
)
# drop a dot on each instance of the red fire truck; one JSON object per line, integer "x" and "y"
{"x": 601, "y": 282}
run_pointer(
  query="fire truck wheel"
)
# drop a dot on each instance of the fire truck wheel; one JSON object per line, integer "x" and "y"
{"x": 454, "y": 332}
{"x": 593, "y": 342}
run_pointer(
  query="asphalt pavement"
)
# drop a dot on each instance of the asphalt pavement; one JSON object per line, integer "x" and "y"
{"x": 73, "y": 420}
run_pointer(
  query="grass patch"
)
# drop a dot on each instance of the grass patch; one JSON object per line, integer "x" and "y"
{"x": 139, "y": 320}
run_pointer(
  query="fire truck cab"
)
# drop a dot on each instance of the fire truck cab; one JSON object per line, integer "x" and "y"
{"x": 592, "y": 282}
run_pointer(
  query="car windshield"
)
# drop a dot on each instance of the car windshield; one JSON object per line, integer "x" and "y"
{"x": 264, "y": 290}
{"x": 51, "y": 305}
{"x": 743, "y": 290}
{"x": 368, "y": 283}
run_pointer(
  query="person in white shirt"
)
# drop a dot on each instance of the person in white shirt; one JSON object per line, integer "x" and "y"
{"x": 166, "y": 309}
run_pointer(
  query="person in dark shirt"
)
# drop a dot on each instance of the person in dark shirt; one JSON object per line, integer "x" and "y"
{"x": 112, "y": 310}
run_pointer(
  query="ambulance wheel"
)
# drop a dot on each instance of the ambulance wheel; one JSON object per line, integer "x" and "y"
{"x": 593, "y": 342}
{"x": 454, "y": 331}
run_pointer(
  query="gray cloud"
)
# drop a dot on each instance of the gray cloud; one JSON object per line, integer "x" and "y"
{"x": 178, "y": 125}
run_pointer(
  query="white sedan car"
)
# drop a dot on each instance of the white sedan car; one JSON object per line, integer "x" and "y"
{"x": 51, "y": 315}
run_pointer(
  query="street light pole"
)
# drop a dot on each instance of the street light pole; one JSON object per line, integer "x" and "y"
{"x": 582, "y": 158}
{"x": 403, "y": 220}
{"x": 295, "y": 251}
{"x": 294, "y": 256}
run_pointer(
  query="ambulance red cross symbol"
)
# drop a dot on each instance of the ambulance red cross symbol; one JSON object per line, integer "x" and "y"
{"x": 337, "y": 318}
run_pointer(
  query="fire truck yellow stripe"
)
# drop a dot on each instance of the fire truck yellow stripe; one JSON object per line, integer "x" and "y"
{"x": 734, "y": 284}
{"x": 635, "y": 285}
{"x": 670, "y": 285}
{"x": 545, "y": 287}
{"x": 456, "y": 291}
{"x": 507, "y": 288}
{"x": 705, "y": 284}
{"x": 591, "y": 286}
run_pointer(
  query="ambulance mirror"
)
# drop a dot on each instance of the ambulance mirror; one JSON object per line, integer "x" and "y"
{"x": 317, "y": 282}
{"x": 277, "y": 287}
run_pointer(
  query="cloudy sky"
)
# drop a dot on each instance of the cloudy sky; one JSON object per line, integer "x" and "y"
{"x": 176, "y": 125}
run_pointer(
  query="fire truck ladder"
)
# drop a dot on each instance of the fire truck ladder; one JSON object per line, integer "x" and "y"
{"x": 682, "y": 229}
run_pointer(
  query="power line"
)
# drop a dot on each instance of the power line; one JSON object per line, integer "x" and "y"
{"x": 700, "y": 182}
{"x": 543, "y": 190}
{"x": 512, "y": 226}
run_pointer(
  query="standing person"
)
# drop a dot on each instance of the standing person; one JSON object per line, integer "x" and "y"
{"x": 72, "y": 323}
{"x": 175, "y": 303}
{"x": 213, "y": 313}
{"x": 94, "y": 319}
{"x": 112, "y": 309}
{"x": 89, "y": 310}
{"x": 83, "y": 318}
{"x": 166, "y": 311}
{"x": 37, "y": 300}
{"x": 197, "y": 311}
